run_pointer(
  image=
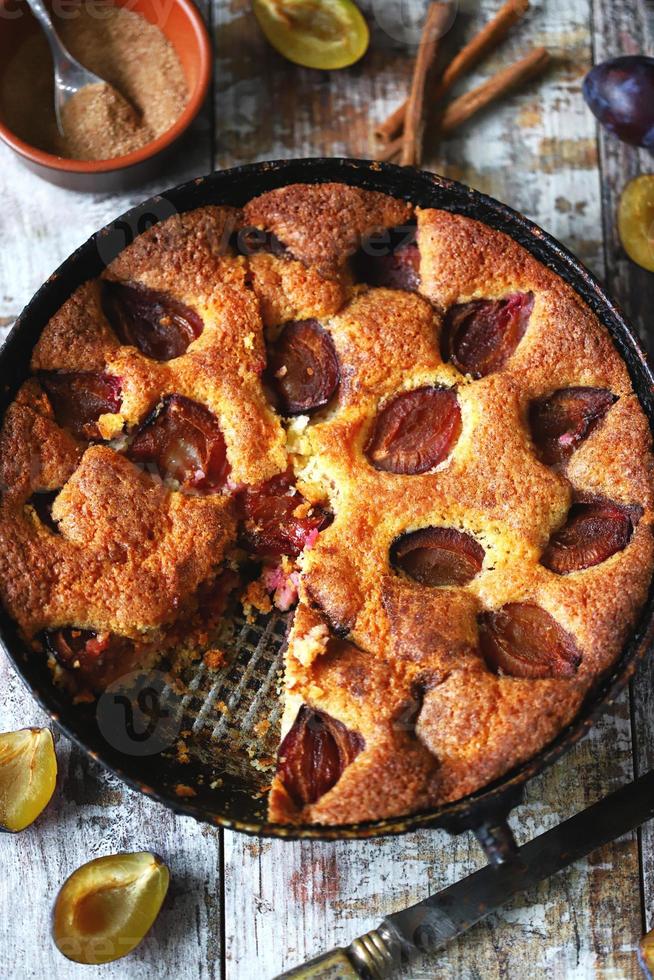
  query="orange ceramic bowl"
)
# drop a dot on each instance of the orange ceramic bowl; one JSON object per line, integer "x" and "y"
{"x": 182, "y": 24}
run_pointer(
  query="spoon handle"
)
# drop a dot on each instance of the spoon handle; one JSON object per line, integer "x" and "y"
{"x": 42, "y": 14}
{"x": 60, "y": 55}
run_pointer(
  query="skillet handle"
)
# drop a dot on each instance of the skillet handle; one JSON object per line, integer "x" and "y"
{"x": 380, "y": 954}
{"x": 497, "y": 840}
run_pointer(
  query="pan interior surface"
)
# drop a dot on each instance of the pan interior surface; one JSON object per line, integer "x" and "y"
{"x": 205, "y": 743}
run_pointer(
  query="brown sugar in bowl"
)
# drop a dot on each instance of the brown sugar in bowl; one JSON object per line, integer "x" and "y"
{"x": 183, "y": 26}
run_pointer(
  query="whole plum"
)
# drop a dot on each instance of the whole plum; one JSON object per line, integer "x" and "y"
{"x": 620, "y": 93}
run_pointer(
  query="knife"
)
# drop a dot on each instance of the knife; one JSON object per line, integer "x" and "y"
{"x": 432, "y": 923}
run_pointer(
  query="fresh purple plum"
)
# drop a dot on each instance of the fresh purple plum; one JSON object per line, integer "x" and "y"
{"x": 620, "y": 93}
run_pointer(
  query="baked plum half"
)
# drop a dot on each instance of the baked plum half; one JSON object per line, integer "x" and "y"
{"x": 479, "y": 337}
{"x": 94, "y": 659}
{"x": 390, "y": 258}
{"x": 438, "y": 556}
{"x": 182, "y": 440}
{"x": 79, "y": 398}
{"x": 277, "y": 520}
{"x": 560, "y": 422}
{"x": 157, "y": 324}
{"x": 523, "y": 640}
{"x": 592, "y": 533}
{"x": 415, "y": 431}
{"x": 303, "y": 368}
{"x": 314, "y": 754}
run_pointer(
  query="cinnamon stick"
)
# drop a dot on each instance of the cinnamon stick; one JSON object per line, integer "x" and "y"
{"x": 461, "y": 109}
{"x": 435, "y": 23}
{"x": 481, "y": 44}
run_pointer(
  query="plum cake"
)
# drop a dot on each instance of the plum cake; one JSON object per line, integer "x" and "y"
{"x": 395, "y": 421}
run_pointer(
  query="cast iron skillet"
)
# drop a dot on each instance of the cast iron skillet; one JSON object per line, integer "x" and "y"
{"x": 233, "y": 802}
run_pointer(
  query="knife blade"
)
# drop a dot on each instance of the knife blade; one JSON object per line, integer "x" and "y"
{"x": 437, "y": 920}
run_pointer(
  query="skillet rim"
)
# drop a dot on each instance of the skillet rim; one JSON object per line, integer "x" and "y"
{"x": 236, "y": 186}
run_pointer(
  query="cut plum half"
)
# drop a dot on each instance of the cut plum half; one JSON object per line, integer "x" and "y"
{"x": 79, "y": 398}
{"x": 107, "y": 907}
{"x": 562, "y": 420}
{"x": 592, "y": 533}
{"x": 183, "y": 441}
{"x": 479, "y": 337}
{"x": 314, "y": 754}
{"x": 390, "y": 259}
{"x": 522, "y": 640}
{"x": 325, "y": 34}
{"x": 28, "y": 776}
{"x": 438, "y": 556}
{"x": 303, "y": 367}
{"x": 646, "y": 954}
{"x": 95, "y": 659}
{"x": 277, "y": 520}
{"x": 415, "y": 431}
{"x": 636, "y": 219}
{"x": 157, "y": 324}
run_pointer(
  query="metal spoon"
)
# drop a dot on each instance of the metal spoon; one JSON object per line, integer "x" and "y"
{"x": 69, "y": 75}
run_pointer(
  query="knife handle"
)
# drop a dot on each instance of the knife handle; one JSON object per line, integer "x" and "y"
{"x": 379, "y": 954}
{"x": 375, "y": 956}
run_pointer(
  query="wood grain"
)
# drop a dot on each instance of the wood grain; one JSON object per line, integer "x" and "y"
{"x": 628, "y": 28}
{"x": 624, "y": 27}
{"x": 93, "y": 814}
{"x": 284, "y": 902}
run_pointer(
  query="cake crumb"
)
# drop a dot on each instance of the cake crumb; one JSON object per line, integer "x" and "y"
{"x": 110, "y": 426}
{"x": 262, "y": 727}
{"x": 184, "y": 791}
{"x": 309, "y": 647}
{"x": 214, "y": 659}
{"x": 303, "y": 509}
{"x": 256, "y": 598}
{"x": 312, "y": 492}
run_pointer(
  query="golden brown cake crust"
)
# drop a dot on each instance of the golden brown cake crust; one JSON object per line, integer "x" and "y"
{"x": 400, "y": 664}
{"x": 128, "y": 557}
{"x": 323, "y": 224}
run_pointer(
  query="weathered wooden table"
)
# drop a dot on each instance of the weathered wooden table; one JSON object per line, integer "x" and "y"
{"x": 242, "y": 908}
